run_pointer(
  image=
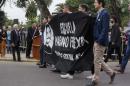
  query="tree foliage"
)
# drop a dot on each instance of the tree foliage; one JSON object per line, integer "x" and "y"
{"x": 31, "y": 11}
{"x": 115, "y": 7}
{"x": 59, "y": 7}
{"x": 42, "y": 5}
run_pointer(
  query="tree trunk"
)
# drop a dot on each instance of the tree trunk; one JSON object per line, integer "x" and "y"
{"x": 43, "y": 8}
{"x": 2, "y": 2}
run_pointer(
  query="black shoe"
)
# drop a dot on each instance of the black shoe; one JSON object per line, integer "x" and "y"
{"x": 121, "y": 71}
{"x": 94, "y": 83}
{"x": 14, "y": 59}
{"x": 27, "y": 57}
{"x": 118, "y": 65}
{"x": 19, "y": 61}
{"x": 101, "y": 69}
{"x": 112, "y": 78}
{"x": 106, "y": 60}
{"x": 42, "y": 66}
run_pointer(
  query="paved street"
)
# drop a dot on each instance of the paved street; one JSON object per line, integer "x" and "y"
{"x": 28, "y": 74}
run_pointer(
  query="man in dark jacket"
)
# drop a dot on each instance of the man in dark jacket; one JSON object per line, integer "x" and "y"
{"x": 84, "y": 8}
{"x": 101, "y": 29}
{"x": 15, "y": 42}
{"x": 115, "y": 40}
{"x": 30, "y": 35}
{"x": 42, "y": 52}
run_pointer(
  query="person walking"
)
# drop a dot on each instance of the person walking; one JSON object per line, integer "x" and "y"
{"x": 101, "y": 30}
{"x": 42, "y": 52}
{"x": 30, "y": 35}
{"x": 127, "y": 52}
{"x": 15, "y": 42}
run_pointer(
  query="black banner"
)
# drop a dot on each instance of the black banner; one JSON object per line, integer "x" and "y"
{"x": 69, "y": 41}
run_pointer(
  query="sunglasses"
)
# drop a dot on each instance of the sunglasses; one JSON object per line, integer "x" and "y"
{"x": 111, "y": 21}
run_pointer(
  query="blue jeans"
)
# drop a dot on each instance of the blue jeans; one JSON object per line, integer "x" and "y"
{"x": 9, "y": 46}
{"x": 126, "y": 56}
{"x": 42, "y": 55}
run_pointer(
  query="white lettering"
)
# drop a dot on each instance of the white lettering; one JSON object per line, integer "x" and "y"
{"x": 69, "y": 42}
{"x": 67, "y": 28}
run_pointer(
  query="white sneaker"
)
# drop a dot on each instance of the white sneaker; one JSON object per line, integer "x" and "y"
{"x": 67, "y": 76}
{"x": 90, "y": 77}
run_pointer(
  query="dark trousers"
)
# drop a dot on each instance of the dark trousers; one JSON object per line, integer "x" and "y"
{"x": 16, "y": 49}
{"x": 28, "y": 50}
{"x": 92, "y": 69}
{"x": 111, "y": 49}
{"x": 42, "y": 55}
{"x": 126, "y": 56}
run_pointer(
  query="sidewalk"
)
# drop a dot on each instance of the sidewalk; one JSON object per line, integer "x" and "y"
{"x": 9, "y": 57}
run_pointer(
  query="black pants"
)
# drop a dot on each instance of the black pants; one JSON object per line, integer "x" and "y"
{"x": 92, "y": 69}
{"x": 42, "y": 55}
{"x": 16, "y": 49}
{"x": 111, "y": 50}
{"x": 28, "y": 50}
